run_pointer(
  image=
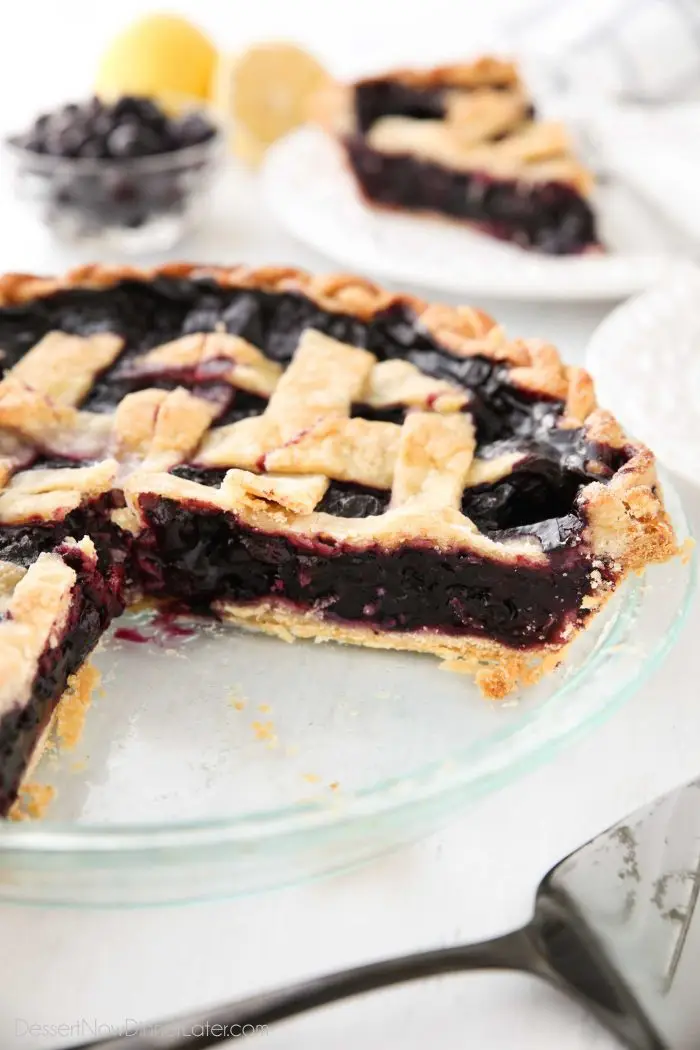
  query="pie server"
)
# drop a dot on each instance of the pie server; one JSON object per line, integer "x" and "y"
{"x": 616, "y": 926}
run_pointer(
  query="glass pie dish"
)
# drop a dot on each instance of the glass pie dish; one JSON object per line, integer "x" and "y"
{"x": 239, "y": 763}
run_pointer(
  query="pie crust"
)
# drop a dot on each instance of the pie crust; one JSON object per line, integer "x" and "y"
{"x": 338, "y": 417}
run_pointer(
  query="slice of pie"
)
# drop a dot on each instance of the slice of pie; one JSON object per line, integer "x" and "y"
{"x": 463, "y": 142}
{"x": 311, "y": 457}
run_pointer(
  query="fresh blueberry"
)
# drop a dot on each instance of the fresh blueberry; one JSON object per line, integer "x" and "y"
{"x": 65, "y": 141}
{"x": 192, "y": 129}
{"x": 95, "y": 147}
{"x": 132, "y": 140}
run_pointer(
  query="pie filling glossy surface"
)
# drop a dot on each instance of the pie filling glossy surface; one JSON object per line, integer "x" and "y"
{"x": 313, "y": 457}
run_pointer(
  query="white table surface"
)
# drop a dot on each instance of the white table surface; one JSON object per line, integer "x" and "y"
{"x": 471, "y": 880}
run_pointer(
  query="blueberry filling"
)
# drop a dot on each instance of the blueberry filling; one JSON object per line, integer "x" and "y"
{"x": 551, "y": 217}
{"x": 201, "y": 475}
{"x": 346, "y": 500}
{"x": 379, "y": 98}
{"x": 242, "y": 405}
{"x": 388, "y": 414}
{"x": 375, "y": 99}
{"x": 96, "y": 600}
{"x": 147, "y": 314}
{"x": 342, "y": 498}
{"x": 22, "y": 544}
{"x": 195, "y": 554}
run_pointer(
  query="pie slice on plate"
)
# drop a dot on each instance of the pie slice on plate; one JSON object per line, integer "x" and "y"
{"x": 463, "y": 142}
{"x": 312, "y": 457}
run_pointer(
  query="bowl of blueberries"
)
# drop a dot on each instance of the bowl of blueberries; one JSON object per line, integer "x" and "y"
{"x": 129, "y": 175}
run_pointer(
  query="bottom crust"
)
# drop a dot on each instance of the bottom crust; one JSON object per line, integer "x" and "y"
{"x": 496, "y": 668}
{"x": 68, "y": 719}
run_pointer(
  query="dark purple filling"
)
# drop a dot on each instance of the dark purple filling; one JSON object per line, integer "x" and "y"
{"x": 379, "y": 98}
{"x": 201, "y": 475}
{"x": 543, "y": 486}
{"x": 22, "y": 544}
{"x": 342, "y": 498}
{"x": 551, "y": 217}
{"x": 195, "y": 554}
{"x": 147, "y": 314}
{"x": 346, "y": 500}
{"x": 96, "y": 600}
{"x": 389, "y": 414}
{"x": 375, "y": 99}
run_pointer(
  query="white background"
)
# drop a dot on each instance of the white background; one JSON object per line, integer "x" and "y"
{"x": 470, "y": 881}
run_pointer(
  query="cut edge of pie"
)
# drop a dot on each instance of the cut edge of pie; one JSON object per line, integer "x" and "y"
{"x": 358, "y": 498}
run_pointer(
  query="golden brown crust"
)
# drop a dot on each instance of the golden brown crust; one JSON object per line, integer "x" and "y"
{"x": 64, "y": 367}
{"x": 463, "y": 330}
{"x": 281, "y": 460}
{"x": 497, "y": 669}
{"x": 533, "y": 151}
{"x": 37, "y": 613}
{"x": 240, "y": 363}
{"x": 67, "y": 720}
{"x": 627, "y": 519}
{"x": 485, "y": 71}
{"x": 50, "y": 494}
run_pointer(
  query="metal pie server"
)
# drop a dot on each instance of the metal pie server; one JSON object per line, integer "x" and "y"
{"x": 616, "y": 926}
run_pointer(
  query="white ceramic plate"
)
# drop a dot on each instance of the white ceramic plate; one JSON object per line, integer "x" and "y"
{"x": 314, "y": 197}
{"x": 645, "y": 359}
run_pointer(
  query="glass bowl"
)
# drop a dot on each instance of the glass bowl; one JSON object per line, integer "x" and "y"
{"x": 216, "y": 762}
{"x": 131, "y": 206}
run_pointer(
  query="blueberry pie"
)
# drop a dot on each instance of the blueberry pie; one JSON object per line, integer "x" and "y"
{"x": 463, "y": 142}
{"x": 308, "y": 456}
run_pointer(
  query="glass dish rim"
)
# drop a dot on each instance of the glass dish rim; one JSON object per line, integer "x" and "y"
{"x": 381, "y": 800}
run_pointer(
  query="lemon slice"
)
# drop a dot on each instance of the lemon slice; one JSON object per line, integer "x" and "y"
{"x": 267, "y": 91}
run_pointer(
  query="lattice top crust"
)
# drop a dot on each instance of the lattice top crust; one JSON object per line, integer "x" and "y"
{"x": 336, "y": 413}
{"x": 485, "y": 123}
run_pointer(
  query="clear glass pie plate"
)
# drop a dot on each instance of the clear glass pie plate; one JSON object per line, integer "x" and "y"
{"x": 215, "y": 762}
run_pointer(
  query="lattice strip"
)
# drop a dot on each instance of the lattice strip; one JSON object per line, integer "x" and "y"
{"x": 305, "y": 428}
{"x": 323, "y": 380}
{"x": 434, "y": 457}
{"x": 160, "y": 428}
{"x": 356, "y": 450}
{"x": 37, "y": 610}
{"x": 64, "y": 367}
{"x": 213, "y": 355}
{"x": 401, "y": 383}
{"x": 52, "y": 493}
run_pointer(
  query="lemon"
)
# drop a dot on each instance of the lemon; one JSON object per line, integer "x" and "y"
{"x": 157, "y": 55}
{"x": 267, "y": 91}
